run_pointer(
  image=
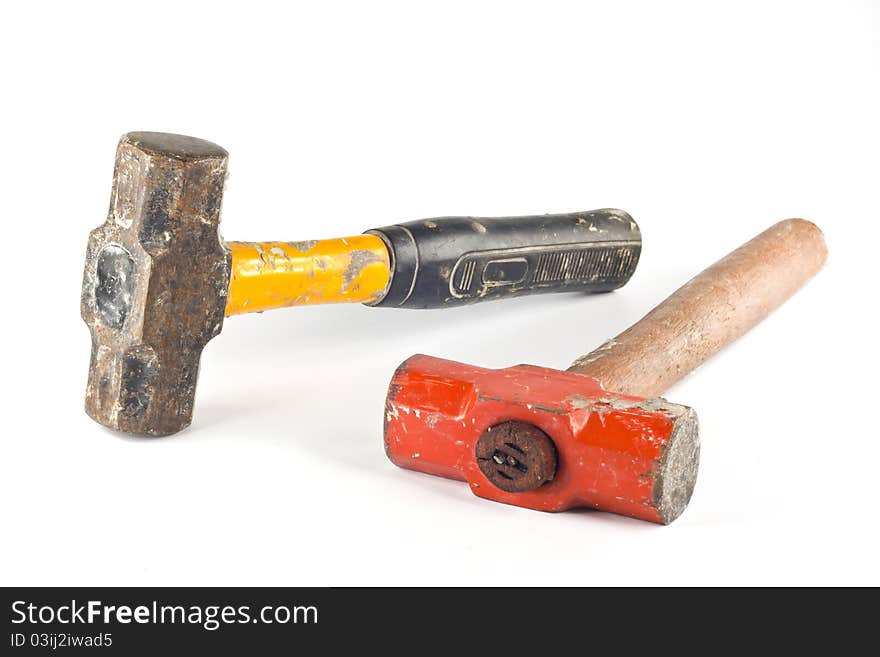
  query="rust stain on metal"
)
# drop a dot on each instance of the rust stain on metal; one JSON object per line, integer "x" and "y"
{"x": 516, "y": 456}
{"x": 160, "y": 243}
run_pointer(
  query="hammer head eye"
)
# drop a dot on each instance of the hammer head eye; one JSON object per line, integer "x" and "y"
{"x": 155, "y": 282}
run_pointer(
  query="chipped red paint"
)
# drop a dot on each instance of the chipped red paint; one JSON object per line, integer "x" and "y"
{"x": 608, "y": 445}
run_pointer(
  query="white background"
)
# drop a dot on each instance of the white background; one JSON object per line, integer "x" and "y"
{"x": 707, "y": 122}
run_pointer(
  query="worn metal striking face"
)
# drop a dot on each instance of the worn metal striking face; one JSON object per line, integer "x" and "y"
{"x": 155, "y": 282}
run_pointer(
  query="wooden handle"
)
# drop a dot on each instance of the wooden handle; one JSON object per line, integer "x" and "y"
{"x": 708, "y": 312}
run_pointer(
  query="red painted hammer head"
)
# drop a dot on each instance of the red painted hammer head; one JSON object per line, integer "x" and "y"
{"x": 542, "y": 439}
{"x": 597, "y": 435}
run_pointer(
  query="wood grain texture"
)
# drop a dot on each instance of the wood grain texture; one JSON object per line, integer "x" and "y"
{"x": 708, "y": 312}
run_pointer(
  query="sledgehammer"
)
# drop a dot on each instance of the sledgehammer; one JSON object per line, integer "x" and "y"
{"x": 158, "y": 278}
{"x": 596, "y": 435}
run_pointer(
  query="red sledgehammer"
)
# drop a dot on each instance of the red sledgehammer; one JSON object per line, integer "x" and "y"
{"x": 596, "y": 435}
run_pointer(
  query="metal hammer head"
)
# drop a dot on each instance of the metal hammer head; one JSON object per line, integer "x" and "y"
{"x": 155, "y": 282}
{"x": 542, "y": 439}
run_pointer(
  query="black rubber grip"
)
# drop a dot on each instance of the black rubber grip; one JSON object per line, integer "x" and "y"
{"x": 452, "y": 261}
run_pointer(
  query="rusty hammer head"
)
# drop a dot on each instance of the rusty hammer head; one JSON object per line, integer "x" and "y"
{"x": 542, "y": 438}
{"x": 155, "y": 282}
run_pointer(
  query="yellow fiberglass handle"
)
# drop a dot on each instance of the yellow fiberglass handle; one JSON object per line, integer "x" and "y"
{"x": 267, "y": 275}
